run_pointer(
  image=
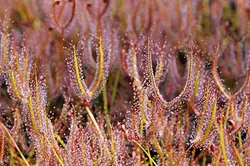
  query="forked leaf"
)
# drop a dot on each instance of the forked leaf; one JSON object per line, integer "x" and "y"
{"x": 131, "y": 62}
{"x": 161, "y": 70}
{"x": 155, "y": 88}
{"x": 101, "y": 74}
{"x": 217, "y": 77}
{"x": 79, "y": 77}
{"x": 246, "y": 86}
{"x": 210, "y": 124}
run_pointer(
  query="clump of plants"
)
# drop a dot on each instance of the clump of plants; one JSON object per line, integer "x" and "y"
{"x": 149, "y": 82}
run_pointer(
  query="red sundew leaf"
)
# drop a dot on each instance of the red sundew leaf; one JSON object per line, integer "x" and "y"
{"x": 4, "y": 50}
{"x": 216, "y": 75}
{"x": 57, "y": 17}
{"x": 161, "y": 69}
{"x": 132, "y": 67}
{"x": 187, "y": 87}
{"x": 123, "y": 57}
{"x": 241, "y": 122}
{"x": 77, "y": 80}
{"x": 102, "y": 70}
{"x": 210, "y": 124}
{"x": 101, "y": 13}
{"x": 74, "y": 146}
{"x": 135, "y": 15}
{"x": 18, "y": 74}
{"x": 246, "y": 86}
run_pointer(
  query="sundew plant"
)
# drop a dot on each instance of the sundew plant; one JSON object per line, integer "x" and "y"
{"x": 124, "y": 82}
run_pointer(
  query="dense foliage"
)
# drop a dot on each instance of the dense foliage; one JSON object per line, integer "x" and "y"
{"x": 124, "y": 82}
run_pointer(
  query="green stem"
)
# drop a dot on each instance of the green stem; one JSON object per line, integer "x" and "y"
{"x": 13, "y": 141}
{"x": 98, "y": 129}
{"x": 114, "y": 89}
{"x": 105, "y": 102}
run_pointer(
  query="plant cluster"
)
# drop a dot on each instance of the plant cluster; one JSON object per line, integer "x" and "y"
{"x": 123, "y": 82}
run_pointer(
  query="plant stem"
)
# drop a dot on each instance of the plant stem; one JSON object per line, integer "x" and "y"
{"x": 98, "y": 129}
{"x": 106, "y": 111}
{"x": 13, "y": 141}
